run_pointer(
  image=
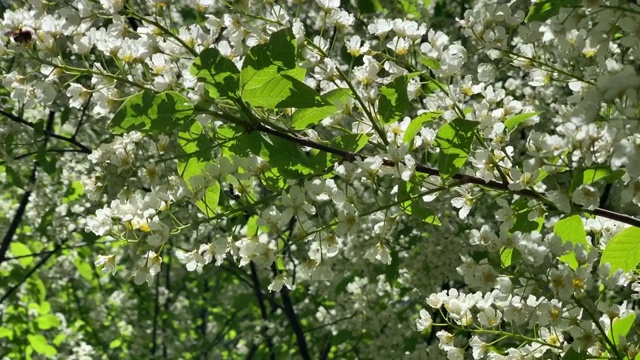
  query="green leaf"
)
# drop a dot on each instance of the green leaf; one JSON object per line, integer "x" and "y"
{"x": 197, "y": 145}
{"x": 269, "y": 77}
{"x": 150, "y": 112}
{"x": 36, "y": 285}
{"x": 621, "y": 327}
{"x": 74, "y": 192}
{"x": 410, "y": 8}
{"x": 417, "y": 209}
{"x": 350, "y": 142}
{"x": 19, "y": 249}
{"x": 195, "y": 142}
{"x": 522, "y": 223}
{"x": 594, "y": 174}
{"x": 252, "y": 225}
{"x": 45, "y": 308}
{"x": 282, "y": 91}
{"x": 209, "y": 201}
{"x": 546, "y": 9}
{"x": 514, "y": 121}
{"x": 571, "y": 229}
{"x": 220, "y": 74}
{"x": 40, "y": 345}
{"x": 605, "y": 174}
{"x": 85, "y": 270}
{"x": 270, "y": 59}
{"x": 416, "y": 124}
{"x": 394, "y": 100}
{"x": 48, "y": 321}
{"x": 6, "y": 333}
{"x": 414, "y": 206}
{"x": 279, "y": 53}
{"x": 304, "y": 118}
{"x": 115, "y": 344}
{"x": 369, "y": 6}
{"x": 46, "y": 162}
{"x": 623, "y": 250}
{"x": 454, "y": 140}
{"x": 506, "y": 254}
{"x": 14, "y": 178}
{"x": 572, "y": 354}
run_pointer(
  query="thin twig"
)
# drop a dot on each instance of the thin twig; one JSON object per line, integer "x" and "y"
{"x": 33, "y": 270}
{"x": 47, "y": 132}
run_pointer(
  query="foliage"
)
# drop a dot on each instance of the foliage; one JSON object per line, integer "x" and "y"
{"x": 363, "y": 179}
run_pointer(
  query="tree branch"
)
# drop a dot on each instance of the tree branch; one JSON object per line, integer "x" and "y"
{"x": 33, "y": 270}
{"x": 263, "y": 309}
{"x": 466, "y": 179}
{"x": 48, "y": 132}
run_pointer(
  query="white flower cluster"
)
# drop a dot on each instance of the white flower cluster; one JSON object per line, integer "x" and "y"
{"x": 444, "y": 157}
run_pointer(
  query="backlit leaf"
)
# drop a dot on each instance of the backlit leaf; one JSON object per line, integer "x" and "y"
{"x": 623, "y": 250}
{"x": 571, "y": 229}
{"x": 455, "y": 140}
{"x": 150, "y": 112}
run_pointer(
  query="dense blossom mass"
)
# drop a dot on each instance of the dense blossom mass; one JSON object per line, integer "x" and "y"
{"x": 320, "y": 179}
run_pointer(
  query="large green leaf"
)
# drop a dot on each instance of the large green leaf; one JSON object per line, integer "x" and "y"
{"x": 454, "y": 140}
{"x": 47, "y": 321}
{"x": 623, "y": 250}
{"x": 571, "y": 229}
{"x": 40, "y": 345}
{"x": 620, "y": 328}
{"x": 283, "y": 156}
{"x": 394, "y": 100}
{"x": 594, "y": 174}
{"x": 84, "y": 269}
{"x": 197, "y": 147}
{"x": 521, "y": 210}
{"x": 350, "y": 142}
{"x": 306, "y": 117}
{"x": 282, "y": 91}
{"x": 219, "y": 73}
{"x": 271, "y": 79}
{"x": 270, "y": 59}
{"x": 4, "y": 332}
{"x": 150, "y": 112}
{"x": 413, "y": 205}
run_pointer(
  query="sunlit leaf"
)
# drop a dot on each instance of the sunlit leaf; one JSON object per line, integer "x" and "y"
{"x": 620, "y": 327}
{"x": 18, "y": 249}
{"x": 394, "y": 99}
{"x": 150, "y": 112}
{"x": 220, "y": 74}
{"x": 454, "y": 140}
{"x": 623, "y": 250}
{"x": 416, "y": 124}
{"x": 47, "y": 321}
{"x": 40, "y": 345}
{"x": 571, "y": 229}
